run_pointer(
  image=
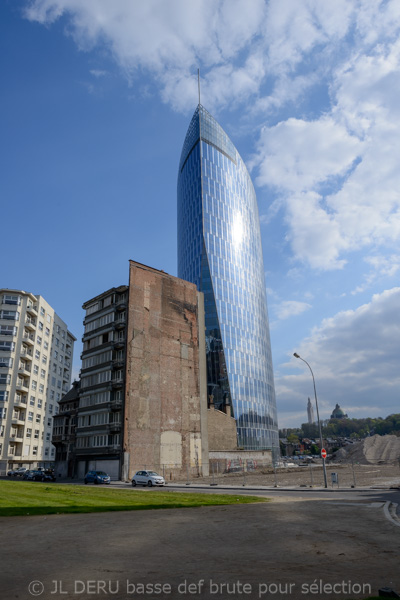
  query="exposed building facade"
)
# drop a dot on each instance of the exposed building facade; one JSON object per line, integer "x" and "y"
{"x": 36, "y": 351}
{"x": 102, "y": 393}
{"x": 219, "y": 250}
{"x": 166, "y": 402}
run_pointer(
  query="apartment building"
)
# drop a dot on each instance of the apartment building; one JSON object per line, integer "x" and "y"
{"x": 36, "y": 351}
{"x": 101, "y": 398}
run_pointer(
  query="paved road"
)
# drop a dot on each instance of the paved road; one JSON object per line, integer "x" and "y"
{"x": 343, "y": 545}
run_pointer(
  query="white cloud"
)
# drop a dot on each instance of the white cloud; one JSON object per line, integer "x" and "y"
{"x": 289, "y": 308}
{"x": 382, "y": 267}
{"x": 354, "y": 356}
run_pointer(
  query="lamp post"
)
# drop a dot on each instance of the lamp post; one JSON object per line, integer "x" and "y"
{"x": 319, "y": 422}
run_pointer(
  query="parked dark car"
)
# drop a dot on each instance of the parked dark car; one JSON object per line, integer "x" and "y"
{"x": 33, "y": 475}
{"x": 16, "y": 472}
{"x": 97, "y": 477}
{"x": 48, "y": 475}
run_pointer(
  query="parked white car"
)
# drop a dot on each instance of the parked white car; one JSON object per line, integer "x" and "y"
{"x": 147, "y": 478}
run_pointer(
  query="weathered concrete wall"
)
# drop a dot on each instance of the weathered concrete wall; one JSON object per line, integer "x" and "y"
{"x": 163, "y": 423}
{"x": 221, "y": 431}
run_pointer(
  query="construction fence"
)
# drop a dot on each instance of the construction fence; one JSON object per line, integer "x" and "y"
{"x": 243, "y": 472}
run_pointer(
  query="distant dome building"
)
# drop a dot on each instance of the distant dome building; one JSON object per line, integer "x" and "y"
{"x": 338, "y": 413}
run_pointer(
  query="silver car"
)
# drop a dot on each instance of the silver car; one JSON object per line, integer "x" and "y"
{"x": 149, "y": 478}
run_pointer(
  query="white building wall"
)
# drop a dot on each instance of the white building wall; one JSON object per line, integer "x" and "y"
{"x": 37, "y": 376}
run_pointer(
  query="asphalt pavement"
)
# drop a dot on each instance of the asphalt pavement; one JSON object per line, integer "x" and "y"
{"x": 319, "y": 544}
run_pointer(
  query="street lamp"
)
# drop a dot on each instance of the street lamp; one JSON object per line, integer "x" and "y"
{"x": 319, "y": 422}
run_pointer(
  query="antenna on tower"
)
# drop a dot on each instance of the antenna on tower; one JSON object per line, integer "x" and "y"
{"x": 198, "y": 83}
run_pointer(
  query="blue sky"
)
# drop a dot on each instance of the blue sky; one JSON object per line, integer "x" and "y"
{"x": 96, "y": 99}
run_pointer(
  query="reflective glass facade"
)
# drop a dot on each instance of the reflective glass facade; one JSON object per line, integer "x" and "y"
{"x": 219, "y": 249}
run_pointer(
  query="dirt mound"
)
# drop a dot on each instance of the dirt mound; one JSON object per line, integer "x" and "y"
{"x": 372, "y": 450}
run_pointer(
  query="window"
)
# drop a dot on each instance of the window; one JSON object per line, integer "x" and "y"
{"x": 34, "y": 385}
{"x": 32, "y": 400}
{"x": 29, "y": 432}
{"x": 39, "y": 340}
{"x": 40, "y": 325}
{"x": 10, "y": 315}
{"x": 50, "y": 408}
{"x": 58, "y": 383}
{"x": 37, "y": 418}
{"x": 46, "y": 345}
{"x": 6, "y": 362}
{"x": 8, "y": 330}
{"x": 46, "y": 451}
{"x": 44, "y": 359}
{"x": 57, "y": 342}
{"x": 34, "y": 450}
{"x": 48, "y": 436}
{"x": 42, "y": 311}
{"x": 39, "y": 403}
{"x": 55, "y": 354}
{"x": 48, "y": 318}
{"x": 35, "y": 370}
{"x": 42, "y": 373}
{"x": 49, "y": 422}
{"x": 51, "y": 394}
{"x": 30, "y": 416}
{"x": 59, "y": 370}
{"x": 5, "y": 378}
{"x": 37, "y": 354}
{"x": 7, "y": 346}
{"x": 9, "y": 299}
{"x": 3, "y": 396}
{"x": 3, "y": 413}
{"x": 47, "y": 332}
{"x": 36, "y": 436}
{"x": 58, "y": 395}
{"x": 41, "y": 388}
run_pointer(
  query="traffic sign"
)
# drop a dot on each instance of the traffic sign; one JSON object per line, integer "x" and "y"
{"x": 323, "y": 453}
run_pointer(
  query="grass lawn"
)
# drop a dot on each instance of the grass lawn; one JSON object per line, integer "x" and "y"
{"x": 35, "y": 498}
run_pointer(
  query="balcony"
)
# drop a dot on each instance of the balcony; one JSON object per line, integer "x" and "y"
{"x": 22, "y": 385}
{"x": 116, "y": 404}
{"x": 118, "y": 363}
{"x": 30, "y": 323}
{"x": 119, "y": 324}
{"x": 18, "y": 420}
{"x": 28, "y": 338}
{"x": 26, "y": 354}
{"x": 121, "y": 305}
{"x": 118, "y": 343}
{"x": 117, "y": 383}
{"x": 32, "y": 310}
{"x": 24, "y": 368}
{"x": 17, "y": 437}
{"x": 20, "y": 401}
{"x": 114, "y": 427}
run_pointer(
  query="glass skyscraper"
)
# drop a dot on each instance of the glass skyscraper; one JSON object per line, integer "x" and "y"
{"x": 219, "y": 249}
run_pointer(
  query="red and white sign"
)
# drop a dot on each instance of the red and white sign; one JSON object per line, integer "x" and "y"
{"x": 323, "y": 453}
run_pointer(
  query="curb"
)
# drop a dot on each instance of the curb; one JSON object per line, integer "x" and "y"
{"x": 390, "y": 511}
